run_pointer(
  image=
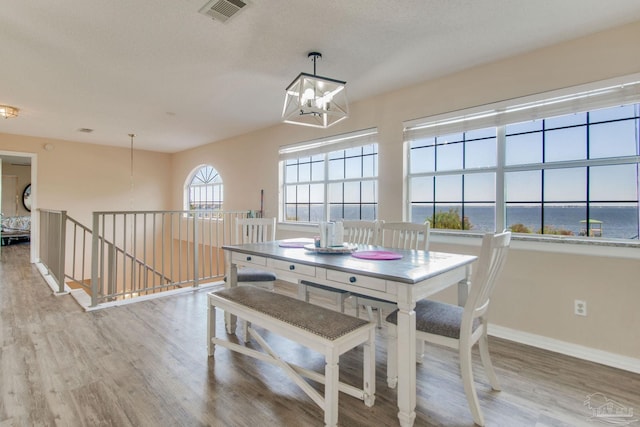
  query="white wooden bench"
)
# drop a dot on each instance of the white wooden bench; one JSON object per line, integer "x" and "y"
{"x": 318, "y": 328}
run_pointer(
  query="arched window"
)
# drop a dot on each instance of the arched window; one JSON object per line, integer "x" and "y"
{"x": 205, "y": 189}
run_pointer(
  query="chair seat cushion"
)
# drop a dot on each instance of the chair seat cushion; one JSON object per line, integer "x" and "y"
{"x": 246, "y": 274}
{"x": 436, "y": 318}
{"x": 324, "y": 288}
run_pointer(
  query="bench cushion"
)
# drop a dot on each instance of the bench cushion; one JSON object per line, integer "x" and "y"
{"x": 318, "y": 320}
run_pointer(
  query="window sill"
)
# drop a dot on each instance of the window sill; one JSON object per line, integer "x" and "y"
{"x": 555, "y": 244}
{"x": 558, "y": 244}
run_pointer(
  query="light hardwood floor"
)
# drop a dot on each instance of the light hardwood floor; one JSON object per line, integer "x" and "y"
{"x": 146, "y": 364}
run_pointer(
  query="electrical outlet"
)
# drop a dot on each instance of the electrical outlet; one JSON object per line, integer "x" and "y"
{"x": 580, "y": 307}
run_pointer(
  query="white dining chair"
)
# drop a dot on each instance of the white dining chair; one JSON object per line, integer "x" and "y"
{"x": 395, "y": 235}
{"x": 255, "y": 230}
{"x": 459, "y": 327}
{"x": 355, "y": 232}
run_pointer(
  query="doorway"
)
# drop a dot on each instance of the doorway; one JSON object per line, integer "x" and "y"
{"x": 17, "y": 201}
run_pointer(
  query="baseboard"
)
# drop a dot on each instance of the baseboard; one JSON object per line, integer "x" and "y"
{"x": 581, "y": 352}
{"x": 44, "y": 272}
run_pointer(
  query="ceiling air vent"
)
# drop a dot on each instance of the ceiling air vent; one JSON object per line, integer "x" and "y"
{"x": 222, "y": 10}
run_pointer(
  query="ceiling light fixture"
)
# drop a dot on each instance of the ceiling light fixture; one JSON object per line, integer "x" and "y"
{"x": 315, "y": 101}
{"x": 8, "y": 112}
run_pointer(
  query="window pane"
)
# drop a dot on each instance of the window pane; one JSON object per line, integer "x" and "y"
{"x": 291, "y": 194}
{"x": 480, "y": 153}
{"x": 480, "y": 133}
{"x": 316, "y": 193}
{"x": 369, "y": 193}
{"x": 565, "y": 185}
{"x": 613, "y": 113}
{"x": 449, "y": 156}
{"x": 316, "y": 213}
{"x": 448, "y": 188}
{"x": 563, "y": 220}
{"x": 368, "y": 212}
{"x": 480, "y": 217}
{"x": 448, "y": 216}
{"x": 565, "y": 144}
{"x": 422, "y": 159}
{"x": 563, "y": 121}
{"x": 524, "y": 218}
{"x": 303, "y": 194}
{"x": 613, "y": 139}
{"x": 370, "y": 166}
{"x": 514, "y": 128}
{"x": 523, "y": 149}
{"x": 480, "y": 187}
{"x": 304, "y": 172}
{"x": 336, "y": 193}
{"x": 618, "y": 220}
{"x": 613, "y": 183}
{"x": 336, "y": 169}
{"x": 422, "y": 189}
{"x": 317, "y": 171}
{"x": 352, "y": 192}
{"x": 523, "y": 186}
{"x": 421, "y": 212}
{"x": 353, "y": 167}
{"x": 291, "y": 173}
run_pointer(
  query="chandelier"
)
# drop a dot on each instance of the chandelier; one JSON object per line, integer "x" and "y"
{"x": 312, "y": 100}
{"x": 8, "y": 112}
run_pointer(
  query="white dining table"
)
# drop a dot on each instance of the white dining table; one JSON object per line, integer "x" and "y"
{"x": 416, "y": 275}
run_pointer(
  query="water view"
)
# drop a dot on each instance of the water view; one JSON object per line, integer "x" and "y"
{"x": 619, "y": 222}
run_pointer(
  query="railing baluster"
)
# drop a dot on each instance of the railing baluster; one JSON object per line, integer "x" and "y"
{"x": 115, "y": 258}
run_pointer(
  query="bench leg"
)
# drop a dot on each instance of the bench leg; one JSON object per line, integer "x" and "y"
{"x": 211, "y": 328}
{"x": 331, "y": 372}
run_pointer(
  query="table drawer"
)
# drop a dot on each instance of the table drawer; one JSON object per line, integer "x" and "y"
{"x": 246, "y": 259}
{"x": 292, "y": 267}
{"x": 357, "y": 280}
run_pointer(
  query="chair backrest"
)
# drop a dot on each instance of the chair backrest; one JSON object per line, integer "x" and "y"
{"x": 486, "y": 271}
{"x": 405, "y": 235}
{"x": 361, "y": 232}
{"x": 255, "y": 230}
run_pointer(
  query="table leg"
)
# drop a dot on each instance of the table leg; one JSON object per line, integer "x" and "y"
{"x": 406, "y": 359}
{"x": 232, "y": 281}
{"x": 463, "y": 288}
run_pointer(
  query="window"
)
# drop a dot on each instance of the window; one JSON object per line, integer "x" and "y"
{"x": 572, "y": 174}
{"x": 331, "y": 179}
{"x": 204, "y": 190}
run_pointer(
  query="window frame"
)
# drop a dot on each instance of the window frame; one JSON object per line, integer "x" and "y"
{"x": 494, "y": 116}
{"x": 324, "y": 151}
{"x": 213, "y": 180}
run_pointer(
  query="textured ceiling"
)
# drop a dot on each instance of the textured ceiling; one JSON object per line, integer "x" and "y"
{"x": 178, "y": 79}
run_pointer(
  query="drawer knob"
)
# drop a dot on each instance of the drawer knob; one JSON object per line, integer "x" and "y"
{"x": 292, "y": 267}
{"x": 248, "y": 258}
{"x": 352, "y": 279}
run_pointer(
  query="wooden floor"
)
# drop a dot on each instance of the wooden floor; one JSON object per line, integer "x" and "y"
{"x": 146, "y": 364}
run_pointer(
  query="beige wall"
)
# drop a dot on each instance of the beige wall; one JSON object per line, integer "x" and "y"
{"x": 82, "y": 178}
{"x": 538, "y": 289}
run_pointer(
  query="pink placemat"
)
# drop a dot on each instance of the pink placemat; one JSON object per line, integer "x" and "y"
{"x": 297, "y": 243}
{"x": 377, "y": 255}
